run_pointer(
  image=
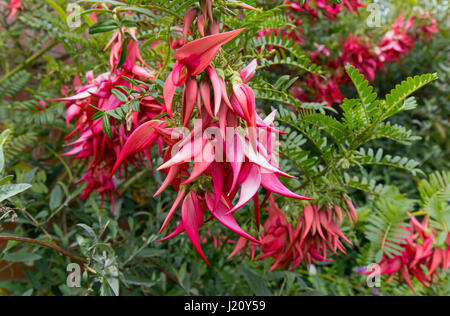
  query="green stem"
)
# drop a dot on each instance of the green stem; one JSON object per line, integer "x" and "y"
{"x": 29, "y": 61}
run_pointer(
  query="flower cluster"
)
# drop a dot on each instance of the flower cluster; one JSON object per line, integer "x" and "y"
{"x": 313, "y": 7}
{"x": 420, "y": 257}
{"x": 369, "y": 59}
{"x": 316, "y": 235}
{"x": 216, "y": 144}
{"x": 92, "y": 145}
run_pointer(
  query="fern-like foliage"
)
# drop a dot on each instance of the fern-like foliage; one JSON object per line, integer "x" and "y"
{"x": 288, "y": 53}
{"x": 387, "y": 227}
{"x": 325, "y": 145}
{"x": 15, "y": 83}
{"x": 435, "y": 194}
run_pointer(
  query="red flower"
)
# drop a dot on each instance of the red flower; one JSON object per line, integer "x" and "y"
{"x": 320, "y": 89}
{"x": 330, "y": 10}
{"x": 420, "y": 257}
{"x": 213, "y": 167}
{"x": 317, "y": 233}
{"x": 359, "y": 54}
{"x": 396, "y": 42}
{"x": 93, "y": 146}
{"x": 14, "y": 5}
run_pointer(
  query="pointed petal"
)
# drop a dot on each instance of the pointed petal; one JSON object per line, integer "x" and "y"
{"x": 142, "y": 72}
{"x": 271, "y": 182}
{"x": 201, "y": 163}
{"x": 217, "y": 178}
{"x": 235, "y": 156}
{"x": 169, "y": 93}
{"x": 217, "y": 87}
{"x": 178, "y": 231}
{"x": 186, "y": 153}
{"x": 205, "y": 92}
{"x": 198, "y": 54}
{"x": 171, "y": 175}
{"x": 240, "y": 245}
{"x": 191, "y": 225}
{"x": 189, "y": 18}
{"x": 221, "y": 214}
{"x": 82, "y": 95}
{"x": 309, "y": 219}
{"x": 260, "y": 160}
{"x": 190, "y": 100}
{"x": 175, "y": 205}
{"x": 249, "y": 187}
{"x": 139, "y": 138}
{"x": 249, "y": 72}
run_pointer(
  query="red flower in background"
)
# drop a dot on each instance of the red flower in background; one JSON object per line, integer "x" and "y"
{"x": 367, "y": 58}
{"x": 420, "y": 257}
{"x": 397, "y": 42}
{"x": 359, "y": 54}
{"x": 14, "y": 6}
{"x": 330, "y": 10}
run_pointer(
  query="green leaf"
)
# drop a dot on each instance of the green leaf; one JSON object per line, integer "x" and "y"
{"x": 123, "y": 55}
{"x": 6, "y": 180}
{"x": 365, "y": 91}
{"x": 119, "y": 95}
{"x": 3, "y": 138}
{"x": 56, "y": 197}
{"x": 402, "y": 91}
{"x": 89, "y": 230}
{"x": 10, "y": 190}
{"x": 21, "y": 256}
{"x": 256, "y": 283}
{"x": 103, "y": 27}
{"x": 107, "y": 126}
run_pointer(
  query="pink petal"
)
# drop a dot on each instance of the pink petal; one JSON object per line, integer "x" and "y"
{"x": 142, "y": 72}
{"x": 136, "y": 141}
{"x": 173, "y": 173}
{"x": 249, "y": 187}
{"x": 249, "y": 72}
{"x": 186, "y": 153}
{"x": 217, "y": 178}
{"x": 207, "y": 157}
{"x": 217, "y": 87}
{"x": 175, "y": 205}
{"x": 189, "y": 18}
{"x": 191, "y": 224}
{"x": 190, "y": 99}
{"x": 270, "y": 182}
{"x": 205, "y": 92}
{"x": 235, "y": 156}
{"x": 178, "y": 230}
{"x": 221, "y": 214}
{"x": 169, "y": 93}
{"x": 198, "y": 54}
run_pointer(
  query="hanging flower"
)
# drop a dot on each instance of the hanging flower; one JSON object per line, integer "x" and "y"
{"x": 210, "y": 165}
{"x": 14, "y": 6}
{"x": 420, "y": 257}
{"x": 99, "y": 150}
{"x": 316, "y": 235}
